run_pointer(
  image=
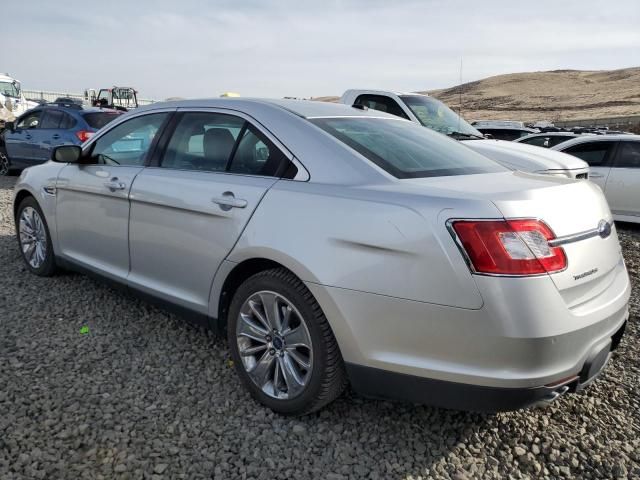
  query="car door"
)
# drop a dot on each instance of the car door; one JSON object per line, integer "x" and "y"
{"x": 43, "y": 136}
{"x": 67, "y": 133}
{"x": 598, "y": 154}
{"x": 623, "y": 183}
{"x": 92, "y": 205}
{"x": 19, "y": 142}
{"x": 189, "y": 208}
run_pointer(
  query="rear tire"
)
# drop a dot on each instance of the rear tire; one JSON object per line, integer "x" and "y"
{"x": 295, "y": 368}
{"x": 34, "y": 239}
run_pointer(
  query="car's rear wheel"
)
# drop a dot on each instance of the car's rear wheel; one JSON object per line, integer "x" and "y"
{"x": 34, "y": 239}
{"x": 5, "y": 165}
{"x": 282, "y": 345}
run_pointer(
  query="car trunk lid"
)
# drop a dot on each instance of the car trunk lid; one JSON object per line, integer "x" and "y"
{"x": 578, "y": 214}
{"x": 574, "y": 210}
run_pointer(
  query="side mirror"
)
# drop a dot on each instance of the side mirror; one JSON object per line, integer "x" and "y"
{"x": 11, "y": 126}
{"x": 66, "y": 154}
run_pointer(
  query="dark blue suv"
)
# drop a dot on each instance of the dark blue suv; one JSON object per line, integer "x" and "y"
{"x": 30, "y": 139}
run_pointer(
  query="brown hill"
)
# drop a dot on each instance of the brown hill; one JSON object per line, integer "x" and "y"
{"x": 555, "y": 95}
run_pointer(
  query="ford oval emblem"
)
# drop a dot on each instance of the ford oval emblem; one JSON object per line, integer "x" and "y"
{"x": 604, "y": 229}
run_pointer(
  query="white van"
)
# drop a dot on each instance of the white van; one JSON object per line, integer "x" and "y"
{"x": 12, "y": 100}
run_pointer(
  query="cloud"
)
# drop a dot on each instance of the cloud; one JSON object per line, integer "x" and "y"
{"x": 274, "y": 48}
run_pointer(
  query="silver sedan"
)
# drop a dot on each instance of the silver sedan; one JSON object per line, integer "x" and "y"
{"x": 614, "y": 161}
{"x": 336, "y": 245}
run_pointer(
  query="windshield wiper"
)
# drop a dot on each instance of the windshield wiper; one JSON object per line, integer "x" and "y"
{"x": 464, "y": 135}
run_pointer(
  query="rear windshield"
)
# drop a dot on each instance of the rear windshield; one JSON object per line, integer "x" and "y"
{"x": 98, "y": 120}
{"x": 407, "y": 150}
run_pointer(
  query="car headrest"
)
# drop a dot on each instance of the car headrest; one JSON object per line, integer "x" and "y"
{"x": 217, "y": 146}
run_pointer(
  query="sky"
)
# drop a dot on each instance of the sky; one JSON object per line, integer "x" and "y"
{"x": 190, "y": 48}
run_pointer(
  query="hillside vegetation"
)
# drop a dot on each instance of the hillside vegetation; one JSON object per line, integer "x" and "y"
{"x": 555, "y": 95}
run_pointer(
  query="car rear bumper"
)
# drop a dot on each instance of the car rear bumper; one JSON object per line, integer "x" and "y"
{"x": 378, "y": 383}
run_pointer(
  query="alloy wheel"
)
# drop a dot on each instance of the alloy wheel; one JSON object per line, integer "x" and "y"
{"x": 274, "y": 345}
{"x": 33, "y": 237}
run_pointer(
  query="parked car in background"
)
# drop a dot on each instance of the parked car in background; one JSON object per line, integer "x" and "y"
{"x": 503, "y": 129}
{"x": 68, "y": 101}
{"x": 31, "y": 138}
{"x": 520, "y": 156}
{"x": 334, "y": 244}
{"x": 614, "y": 162}
{"x": 12, "y": 98}
{"x": 435, "y": 115}
{"x": 421, "y": 109}
{"x": 546, "y": 139}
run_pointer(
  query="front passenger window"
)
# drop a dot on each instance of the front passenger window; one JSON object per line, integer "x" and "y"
{"x": 595, "y": 153}
{"x": 129, "y": 142}
{"x": 30, "y": 120}
{"x": 538, "y": 141}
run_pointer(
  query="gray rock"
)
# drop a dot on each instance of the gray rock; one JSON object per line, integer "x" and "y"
{"x": 145, "y": 389}
{"x": 299, "y": 429}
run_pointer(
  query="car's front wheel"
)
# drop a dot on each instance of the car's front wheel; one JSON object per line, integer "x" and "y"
{"x": 34, "y": 239}
{"x": 282, "y": 345}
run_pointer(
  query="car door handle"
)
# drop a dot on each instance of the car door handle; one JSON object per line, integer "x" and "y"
{"x": 596, "y": 175}
{"x": 27, "y": 136}
{"x": 114, "y": 184}
{"x": 56, "y": 136}
{"x": 228, "y": 201}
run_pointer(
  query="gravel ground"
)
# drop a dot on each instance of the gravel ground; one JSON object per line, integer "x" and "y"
{"x": 146, "y": 395}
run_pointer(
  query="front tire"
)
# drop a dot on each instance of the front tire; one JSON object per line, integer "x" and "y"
{"x": 282, "y": 345}
{"x": 34, "y": 238}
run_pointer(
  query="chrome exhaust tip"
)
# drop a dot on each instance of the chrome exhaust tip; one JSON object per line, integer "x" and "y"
{"x": 552, "y": 397}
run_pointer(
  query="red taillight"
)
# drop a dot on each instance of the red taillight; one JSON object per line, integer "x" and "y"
{"x": 510, "y": 247}
{"x": 83, "y": 135}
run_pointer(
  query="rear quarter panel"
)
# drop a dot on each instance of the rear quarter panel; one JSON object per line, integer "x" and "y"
{"x": 359, "y": 239}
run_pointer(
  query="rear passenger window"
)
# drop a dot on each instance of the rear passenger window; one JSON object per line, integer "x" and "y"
{"x": 203, "y": 141}
{"x": 51, "y": 119}
{"x": 594, "y": 153}
{"x": 216, "y": 142}
{"x": 628, "y": 155}
{"x": 256, "y": 155}
{"x": 67, "y": 121}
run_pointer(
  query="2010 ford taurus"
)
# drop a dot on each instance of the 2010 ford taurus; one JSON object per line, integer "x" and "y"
{"x": 340, "y": 246}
